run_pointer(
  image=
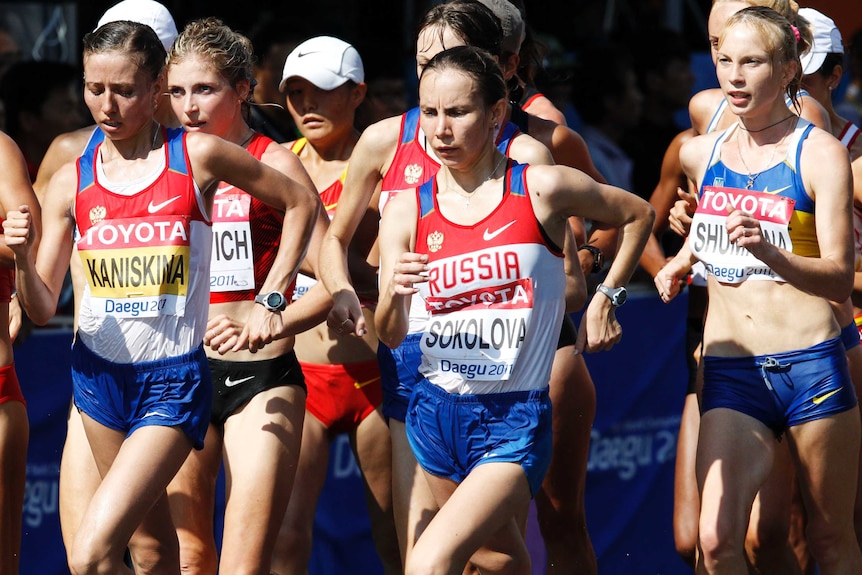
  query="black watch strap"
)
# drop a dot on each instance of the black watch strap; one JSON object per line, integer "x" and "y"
{"x": 598, "y": 257}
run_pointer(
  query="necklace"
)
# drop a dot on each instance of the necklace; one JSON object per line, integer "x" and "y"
{"x": 247, "y": 140}
{"x": 468, "y": 196}
{"x": 751, "y": 176}
{"x": 741, "y": 125}
{"x": 156, "y": 132}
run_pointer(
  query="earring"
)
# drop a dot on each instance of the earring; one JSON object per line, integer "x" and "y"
{"x": 496, "y": 126}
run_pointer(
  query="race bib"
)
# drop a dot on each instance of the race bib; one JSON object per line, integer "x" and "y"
{"x": 478, "y": 334}
{"x": 710, "y": 243}
{"x": 232, "y": 263}
{"x": 137, "y": 267}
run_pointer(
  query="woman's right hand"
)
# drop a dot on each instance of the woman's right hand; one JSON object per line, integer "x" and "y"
{"x": 681, "y": 212}
{"x": 670, "y": 279}
{"x": 16, "y": 230}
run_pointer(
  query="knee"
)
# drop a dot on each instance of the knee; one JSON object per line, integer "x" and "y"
{"x": 196, "y": 558}
{"x": 766, "y": 540}
{"x": 828, "y": 544}
{"x": 86, "y": 559}
{"x": 718, "y": 548}
{"x": 560, "y": 518}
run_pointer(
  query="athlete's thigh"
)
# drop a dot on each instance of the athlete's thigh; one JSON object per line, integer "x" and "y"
{"x": 373, "y": 449}
{"x": 261, "y": 451}
{"x": 14, "y": 437}
{"x": 136, "y": 471}
{"x": 823, "y": 448}
{"x": 191, "y": 493}
{"x": 573, "y": 396}
{"x": 310, "y": 474}
{"x": 79, "y": 477}
{"x": 478, "y": 512}
{"x": 734, "y": 458}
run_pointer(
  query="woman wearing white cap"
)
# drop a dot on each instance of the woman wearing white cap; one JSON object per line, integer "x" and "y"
{"x": 259, "y": 395}
{"x": 323, "y": 81}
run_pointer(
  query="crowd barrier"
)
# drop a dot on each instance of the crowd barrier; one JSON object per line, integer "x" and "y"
{"x": 640, "y": 387}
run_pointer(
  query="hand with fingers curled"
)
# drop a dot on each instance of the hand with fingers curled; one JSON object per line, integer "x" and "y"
{"x": 410, "y": 269}
{"x": 744, "y": 231}
{"x": 671, "y": 278}
{"x": 16, "y": 230}
{"x": 683, "y": 209}
{"x": 224, "y": 334}
{"x": 345, "y": 316}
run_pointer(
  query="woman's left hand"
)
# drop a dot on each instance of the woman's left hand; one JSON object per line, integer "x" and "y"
{"x": 599, "y": 329}
{"x": 223, "y": 334}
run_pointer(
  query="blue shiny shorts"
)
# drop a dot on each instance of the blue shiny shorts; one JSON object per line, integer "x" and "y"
{"x": 782, "y": 389}
{"x": 399, "y": 374}
{"x": 451, "y": 434}
{"x": 172, "y": 392}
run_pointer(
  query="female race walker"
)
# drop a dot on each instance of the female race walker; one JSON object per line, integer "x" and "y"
{"x": 480, "y": 421}
{"x": 259, "y": 397}
{"x": 137, "y": 209}
{"x": 15, "y": 191}
{"x": 323, "y": 80}
{"x": 773, "y": 230}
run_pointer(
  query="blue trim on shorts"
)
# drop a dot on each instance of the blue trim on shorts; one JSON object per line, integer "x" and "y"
{"x": 781, "y": 389}
{"x": 171, "y": 392}
{"x": 399, "y": 374}
{"x": 850, "y": 336}
{"x": 451, "y": 434}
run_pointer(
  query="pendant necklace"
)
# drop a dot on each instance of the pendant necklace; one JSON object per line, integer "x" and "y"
{"x": 468, "y": 196}
{"x": 751, "y": 176}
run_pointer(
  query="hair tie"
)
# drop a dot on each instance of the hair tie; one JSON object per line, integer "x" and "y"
{"x": 796, "y": 33}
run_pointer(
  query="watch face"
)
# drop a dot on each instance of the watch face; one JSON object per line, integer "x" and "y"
{"x": 621, "y": 297}
{"x": 274, "y": 300}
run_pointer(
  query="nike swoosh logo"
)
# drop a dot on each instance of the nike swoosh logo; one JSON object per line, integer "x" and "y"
{"x": 304, "y": 54}
{"x": 778, "y": 191}
{"x": 489, "y": 235}
{"x": 361, "y": 384}
{"x": 821, "y": 398}
{"x": 153, "y": 208}
{"x": 153, "y": 413}
{"x": 330, "y": 207}
{"x": 225, "y": 190}
{"x": 228, "y": 382}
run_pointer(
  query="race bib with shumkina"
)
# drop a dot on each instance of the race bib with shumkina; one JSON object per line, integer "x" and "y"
{"x": 232, "y": 262}
{"x": 709, "y": 240}
{"x": 137, "y": 267}
{"x": 478, "y": 333}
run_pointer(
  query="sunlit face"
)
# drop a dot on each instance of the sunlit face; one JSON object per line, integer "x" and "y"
{"x": 718, "y": 17}
{"x": 201, "y": 97}
{"x": 746, "y": 72}
{"x": 321, "y": 114}
{"x": 454, "y": 118}
{"x": 431, "y": 42}
{"x": 119, "y": 95}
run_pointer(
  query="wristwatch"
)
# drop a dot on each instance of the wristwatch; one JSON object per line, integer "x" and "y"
{"x": 273, "y": 301}
{"x": 598, "y": 257}
{"x": 616, "y": 295}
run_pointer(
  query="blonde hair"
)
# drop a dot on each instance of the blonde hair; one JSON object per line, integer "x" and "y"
{"x": 229, "y": 52}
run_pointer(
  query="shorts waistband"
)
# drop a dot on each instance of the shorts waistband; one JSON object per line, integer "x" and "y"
{"x": 196, "y": 354}
{"x": 509, "y": 397}
{"x": 815, "y": 352}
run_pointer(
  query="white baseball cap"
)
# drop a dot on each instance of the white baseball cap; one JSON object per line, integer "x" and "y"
{"x": 511, "y": 21}
{"x": 147, "y": 12}
{"x": 324, "y": 61}
{"x": 827, "y": 40}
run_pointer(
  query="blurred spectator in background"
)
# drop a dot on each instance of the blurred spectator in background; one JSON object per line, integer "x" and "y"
{"x": 42, "y": 101}
{"x": 9, "y": 50}
{"x": 606, "y": 96}
{"x": 386, "y": 97}
{"x": 851, "y": 105}
{"x": 665, "y": 80}
{"x": 272, "y": 40}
